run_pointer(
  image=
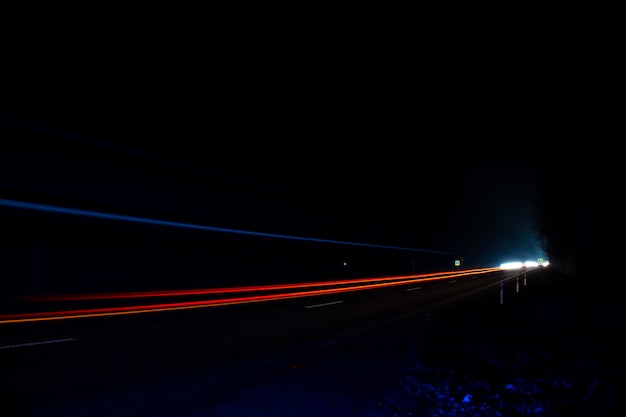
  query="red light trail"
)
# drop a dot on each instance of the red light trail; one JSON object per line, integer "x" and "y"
{"x": 279, "y": 292}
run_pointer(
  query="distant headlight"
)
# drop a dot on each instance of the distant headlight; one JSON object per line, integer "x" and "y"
{"x": 512, "y": 265}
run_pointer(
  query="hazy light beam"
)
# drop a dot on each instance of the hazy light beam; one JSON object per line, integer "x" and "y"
{"x": 100, "y": 215}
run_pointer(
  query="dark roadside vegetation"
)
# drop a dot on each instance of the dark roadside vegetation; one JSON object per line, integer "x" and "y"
{"x": 544, "y": 351}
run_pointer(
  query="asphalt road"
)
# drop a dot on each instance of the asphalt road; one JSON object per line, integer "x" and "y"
{"x": 45, "y": 364}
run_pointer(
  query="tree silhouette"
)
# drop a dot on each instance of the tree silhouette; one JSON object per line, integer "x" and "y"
{"x": 580, "y": 202}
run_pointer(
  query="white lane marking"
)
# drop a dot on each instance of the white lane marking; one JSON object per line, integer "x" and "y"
{"x": 413, "y": 289}
{"x": 325, "y": 304}
{"x": 452, "y": 282}
{"x": 45, "y": 342}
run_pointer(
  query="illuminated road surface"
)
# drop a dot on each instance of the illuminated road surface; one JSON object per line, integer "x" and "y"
{"x": 60, "y": 358}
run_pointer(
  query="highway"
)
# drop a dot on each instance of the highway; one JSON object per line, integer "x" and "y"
{"x": 64, "y": 348}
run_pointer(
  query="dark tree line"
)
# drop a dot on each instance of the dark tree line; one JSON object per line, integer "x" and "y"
{"x": 580, "y": 200}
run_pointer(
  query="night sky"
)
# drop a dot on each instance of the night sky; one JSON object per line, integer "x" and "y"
{"x": 371, "y": 155}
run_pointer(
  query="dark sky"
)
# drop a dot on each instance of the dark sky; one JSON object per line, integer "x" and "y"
{"x": 347, "y": 149}
{"x": 383, "y": 174}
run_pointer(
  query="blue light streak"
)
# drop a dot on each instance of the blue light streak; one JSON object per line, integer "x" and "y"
{"x": 120, "y": 217}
